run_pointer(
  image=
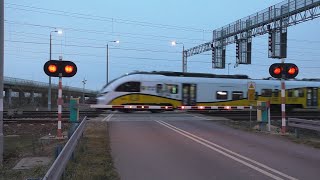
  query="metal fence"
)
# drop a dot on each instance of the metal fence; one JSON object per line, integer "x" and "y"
{"x": 56, "y": 170}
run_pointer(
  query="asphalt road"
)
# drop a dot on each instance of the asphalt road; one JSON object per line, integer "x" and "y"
{"x": 184, "y": 146}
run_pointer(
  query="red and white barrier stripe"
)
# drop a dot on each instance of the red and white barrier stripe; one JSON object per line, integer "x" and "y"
{"x": 134, "y": 107}
{"x": 213, "y": 107}
{"x": 142, "y": 107}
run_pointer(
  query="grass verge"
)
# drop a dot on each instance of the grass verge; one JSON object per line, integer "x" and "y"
{"x": 307, "y": 137}
{"x": 22, "y": 140}
{"x": 92, "y": 159}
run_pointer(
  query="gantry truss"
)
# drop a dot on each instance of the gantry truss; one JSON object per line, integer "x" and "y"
{"x": 276, "y": 17}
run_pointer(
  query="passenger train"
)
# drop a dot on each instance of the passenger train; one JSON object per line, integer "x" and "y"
{"x": 199, "y": 89}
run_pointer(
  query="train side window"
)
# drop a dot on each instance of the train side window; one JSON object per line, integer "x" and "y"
{"x": 266, "y": 92}
{"x": 290, "y": 93}
{"x": 159, "y": 88}
{"x": 276, "y": 92}
{"x": 173, "y": 89}
{"x": 222, "y": 95}
{"x": 236, "y": 95}
{"x": 132, "y": 86}
{"x": 301, "y": 93}
{"x": 298, "y": 93}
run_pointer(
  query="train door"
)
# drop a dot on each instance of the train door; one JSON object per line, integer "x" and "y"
{"x": 189, "y": 94}
{"x": 312, "y": 97}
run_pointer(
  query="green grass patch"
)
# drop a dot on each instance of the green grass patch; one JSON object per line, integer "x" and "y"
{"x": 307, "y": 137}
{"x": 92, "y": 159}
{"x": 17, "y": 147}
{"x": 22, "y": 141}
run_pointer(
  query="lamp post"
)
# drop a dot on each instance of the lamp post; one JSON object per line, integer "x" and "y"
{"x": 1, "y": 79}
{"x": 84, "y": 84}
{"x": 107, "y": 71}
{"x": 228, "y": 67}
{"x": 50, "y": 53}
{"x": 184, "y": 57}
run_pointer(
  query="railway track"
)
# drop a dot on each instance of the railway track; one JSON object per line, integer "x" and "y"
{"x": 45, "y": 114}
{"x": 51, "y": 116}
{"x": 245, "y": 115}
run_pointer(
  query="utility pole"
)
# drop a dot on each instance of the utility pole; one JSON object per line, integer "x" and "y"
{"x": 84, "y": 85}
{"x": 107, "y": 71}
{"x": 1, "y": 79}
{"x": 107, "y": 76}
{"x": 184, "y": 55}
{"x": 50, "y": 58}
{"x": 49, "y": 90}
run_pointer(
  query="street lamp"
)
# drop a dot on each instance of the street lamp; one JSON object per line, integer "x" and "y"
{"x": 50, "y": 53}
{"x": 228, "y": 67}
{"x": 107, "y": 72}
{"x": 84, "y": 84}
{"x": 184, "y": 58}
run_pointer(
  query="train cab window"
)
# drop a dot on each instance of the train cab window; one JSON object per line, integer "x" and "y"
{"x": 236, "y": 95}
{"x": 172, "y": 88}
{"x": 266, "y": 92}
{"x": 159, "y": 88}
{"x": 132, "y": 86}
{"x": 222, "y": 95}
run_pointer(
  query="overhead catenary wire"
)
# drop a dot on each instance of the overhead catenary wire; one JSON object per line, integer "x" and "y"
{"x": 102, "y": 18}
{"x": 103, "y": 32}
{"x": 133, "y": 49}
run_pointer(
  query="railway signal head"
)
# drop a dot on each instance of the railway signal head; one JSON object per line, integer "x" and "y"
{"x": 56, "y": 68}
{"x": 283, "y": 70}
{"x": 270, "y": 43}
{"x": 237, "y": 50}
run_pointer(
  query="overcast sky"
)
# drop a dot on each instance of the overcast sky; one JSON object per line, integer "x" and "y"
{"x": 145, "y": 29}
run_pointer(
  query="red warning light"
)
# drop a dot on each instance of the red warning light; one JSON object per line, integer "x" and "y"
{"x": 292, "y": 70}
{"x": 277, "y": 70}
{"x": 68, "y": 69}
{"x": 52, "y": 68}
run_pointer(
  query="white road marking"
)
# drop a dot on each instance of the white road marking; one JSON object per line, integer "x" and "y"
{"x": 233, "y": 155}
{"x": 108, "y": 117}
{"x": 215, "y": 118}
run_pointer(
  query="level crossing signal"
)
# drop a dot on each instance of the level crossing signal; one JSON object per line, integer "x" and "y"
{"x": 270, "y": 43}
{"x": 283, "y": 70}
{"x": 237, "y": 50}
{"x": 55, "y": 68}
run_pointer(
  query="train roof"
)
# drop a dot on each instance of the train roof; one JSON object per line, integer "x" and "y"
{"x": 186, "y": 74}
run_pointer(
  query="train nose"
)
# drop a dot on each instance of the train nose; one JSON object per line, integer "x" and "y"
{"x": 101, "y": 100}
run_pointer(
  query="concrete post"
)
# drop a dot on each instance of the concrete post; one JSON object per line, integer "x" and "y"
{"x": 32, "y": 97}
{"x": 21, "y": 97}
{"x": 1, "y": 78}
{"x": 9, "y": 97}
